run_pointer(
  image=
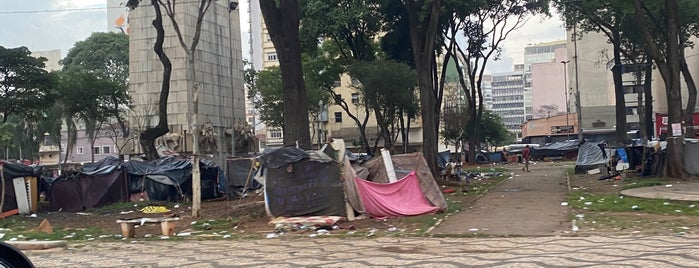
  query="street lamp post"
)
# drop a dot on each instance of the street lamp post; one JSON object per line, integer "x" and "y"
{"x": 565, "y": 88}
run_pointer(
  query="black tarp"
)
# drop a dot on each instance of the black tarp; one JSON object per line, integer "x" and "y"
{"x": 241, "y": 172}
{"x": 300, "y": 183}
{"x": 691, "y": 156}
{"x": 168, "y": 179}
{"x": 83, "y": 191}
{"x": 13, "y": 170}
{"x": 566, "y": 149}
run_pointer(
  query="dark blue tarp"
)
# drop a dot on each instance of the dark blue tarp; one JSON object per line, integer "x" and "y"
{"x": 167, "y": 179}
{"x": 105, "y": 166}
{"x": 443, "y": 158}
{"x": 561, "y": 148}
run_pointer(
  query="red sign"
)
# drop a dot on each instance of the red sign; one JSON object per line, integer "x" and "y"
{"x": 661, "y": 123}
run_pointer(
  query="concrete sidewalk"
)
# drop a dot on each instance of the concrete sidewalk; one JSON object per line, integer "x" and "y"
{"x": 680, "y": 191}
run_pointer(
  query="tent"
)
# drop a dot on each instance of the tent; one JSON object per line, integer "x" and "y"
{"x": 416, "y": 193}
{"x": 98, "y": 184}
{"x": 565, "y": 149}
{"x": 301, "y": 183}
{"x": 10, "y": 171}
{"x": 590, "y": 156}
{"x": 240, "y": 176}
{"x": 169, "y": 179}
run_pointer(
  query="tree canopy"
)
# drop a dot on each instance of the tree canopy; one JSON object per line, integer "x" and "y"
{"x": 25, "y": 87}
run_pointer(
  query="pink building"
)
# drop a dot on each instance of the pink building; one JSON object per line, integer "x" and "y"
{"x": 548, "y": 86}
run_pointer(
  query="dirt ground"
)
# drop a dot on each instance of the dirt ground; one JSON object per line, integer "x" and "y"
{"x": 246, "y": 217}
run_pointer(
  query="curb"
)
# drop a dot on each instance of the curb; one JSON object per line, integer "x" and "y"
{"x": 37, "y": 245}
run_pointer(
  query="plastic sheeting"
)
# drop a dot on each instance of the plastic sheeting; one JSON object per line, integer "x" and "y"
{"x": 691, "y": 156}
{"x": 401, "y": 198}
{"x": 170, "y": 178}
{"x": 589, "y": 156}
{"x": 84, "y": 191}
{"x": 276, "y": 158}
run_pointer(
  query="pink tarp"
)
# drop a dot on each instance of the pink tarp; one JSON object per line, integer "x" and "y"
{"x": 401, "y": 198}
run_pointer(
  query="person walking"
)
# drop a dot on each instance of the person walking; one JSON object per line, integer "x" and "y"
{"x": 525, "y": 158}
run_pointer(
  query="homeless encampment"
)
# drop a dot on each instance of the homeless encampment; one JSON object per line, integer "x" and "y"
{"x": 301, "y": 183}
{"x": 416, "y": 193}
{"x": 691, "y": 156}
{"x": 10, "y": 171}
{"x": 590, "y": 156}
{"x": 169, "y": 179}
{"x": 241, "y": 172}
{"x": 97, "y": 184}
{"x": 565, "y": 149}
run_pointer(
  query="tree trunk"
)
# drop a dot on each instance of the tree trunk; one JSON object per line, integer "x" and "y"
{"x": 148, "y": 136}
{"x": 669, "y": 66}
{"x": 423, "y": 28}
{"x": 620, "y": 103}
{"x": 648, "y": 93}
{"x": 283, "y": 27}
{"x": 691, "y": 97}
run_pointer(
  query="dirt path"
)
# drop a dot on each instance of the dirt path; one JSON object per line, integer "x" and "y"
{"x": 529, "y": 204}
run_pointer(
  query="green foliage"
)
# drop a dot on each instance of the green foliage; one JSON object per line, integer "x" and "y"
{"x": 25, "y": 87}
{"x": 457, "y": 127}
{"x": 106, "y": 55}
{"x": 618, "y": 203}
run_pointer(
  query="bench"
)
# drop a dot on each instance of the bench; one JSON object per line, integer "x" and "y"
{"x": 167, "y": 225}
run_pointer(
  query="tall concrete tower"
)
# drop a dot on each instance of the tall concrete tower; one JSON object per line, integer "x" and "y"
{"x": 219, "y": 73}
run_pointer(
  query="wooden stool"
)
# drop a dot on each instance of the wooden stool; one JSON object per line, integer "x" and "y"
{"x": 167, "y": 225}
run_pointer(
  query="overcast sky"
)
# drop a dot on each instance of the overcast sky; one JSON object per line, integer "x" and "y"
{"x": 54, "y": 24}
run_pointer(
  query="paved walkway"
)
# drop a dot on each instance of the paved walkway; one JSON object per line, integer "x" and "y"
{"x": 528, "y": 204}
{"x": 682, "y": 191}
{"x": 392, "y": 252}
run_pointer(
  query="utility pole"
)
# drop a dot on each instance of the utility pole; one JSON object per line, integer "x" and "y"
{"x": 578, "y": 109}
{"x": 565, "y": 88}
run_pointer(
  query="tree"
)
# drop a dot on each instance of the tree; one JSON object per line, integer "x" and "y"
{"x": 667, "y": 60}
{"x": 547, "y": 110}
{"x": 282, "y": 21}
{"x": 485, "y": 27}
{"x": 148, "y": 135}
{"x": 106, "y": 56}
{"x": 423, "y": 18}
{"x": 25, "y": 87}
{"x": 348, "y": 37}
{"x": 388, "y": 89}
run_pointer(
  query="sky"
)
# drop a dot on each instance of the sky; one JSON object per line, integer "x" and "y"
{"x": 55, "y": 24}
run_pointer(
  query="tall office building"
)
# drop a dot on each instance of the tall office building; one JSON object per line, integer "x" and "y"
{"x": 508, "y": 99}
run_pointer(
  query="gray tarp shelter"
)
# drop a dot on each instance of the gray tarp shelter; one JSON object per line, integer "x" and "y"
{"x": 691, "y": 156}
{"x": 590, "y": 156}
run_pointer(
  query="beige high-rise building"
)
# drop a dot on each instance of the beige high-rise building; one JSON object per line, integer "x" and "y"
{"x": 219, "y": 74}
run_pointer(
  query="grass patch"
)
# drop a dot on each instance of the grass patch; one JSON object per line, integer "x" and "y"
{"x": 485, "y": 169}
{"x": 641, "y": 182}
{"x": 618, "y": 203}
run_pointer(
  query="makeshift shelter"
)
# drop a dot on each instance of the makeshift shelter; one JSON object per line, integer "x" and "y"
{"x": 416, "y": 193}
{"x": 98, "y": 184}
{"x": 241, "y": 172}
{"x": 301, "y": 183}
{"x": 590, "y": 156}
{"x": 169, "y": 179}
{"x": 10, "y": 171}
{"x": 565, "y": 149}
{"x": 691, "y": 156}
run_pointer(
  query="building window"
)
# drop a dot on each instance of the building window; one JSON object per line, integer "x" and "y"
{"x": 79, "y": 150}
{"x": 95, "y": 150}
{"x": 275, "y": 134}
{"x": 272, "y": 56}
{"x": 106, "y": 150}
{"x": 338, "y": 117}
{"x": 355, "y": 98}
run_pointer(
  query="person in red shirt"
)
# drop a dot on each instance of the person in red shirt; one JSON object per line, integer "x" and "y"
{"x": 525, "y": 158}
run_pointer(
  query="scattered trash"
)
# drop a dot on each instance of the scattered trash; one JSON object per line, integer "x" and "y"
{"x": 692, "y": 205}
{"x": 176, "y": 206}
{"x": 184, "y": 234}
{"x": 164, "y": 237}
{"x": 312, "y": 235}
{"x": 148, "y": 236}
{"x": 392, "y": 229}
{"x": 104, "y": 236}
{"x": 635, "y": 207}
{"x": 579, "y": 216}
{"x": 227, "y": 236}
{"x": 678, "y": 211}
{"x": 83, "y": 213}
{"x": 154, "y": 209}
{"x": 2, "y": 235}
{"x": 668, "y": 185}
{"x": 666, "y": 203}
{"x": 473, "y": 230}
{"x": 271, "y": 235}
{"x": 588, "y": 203}
{"x": 126, "y": 212}
{"x": 564, "y": 203}
{"x": 593, "y": 171}
{"x": 684, "y": 228}
{"x": 31, "y": 216}
{"x": 206, "y": 226}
